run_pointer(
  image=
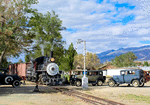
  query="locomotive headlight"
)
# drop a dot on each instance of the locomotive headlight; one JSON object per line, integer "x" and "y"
{"x": 52, "y": 59}
{"x": 52, "y": 69}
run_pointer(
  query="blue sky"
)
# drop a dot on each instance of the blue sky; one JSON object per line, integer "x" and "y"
{"x": 104, "y": 24}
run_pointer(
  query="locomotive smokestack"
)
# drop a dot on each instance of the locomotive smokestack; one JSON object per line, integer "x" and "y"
{"x": 51, "y": 54}
{"x": 51, "y": 57}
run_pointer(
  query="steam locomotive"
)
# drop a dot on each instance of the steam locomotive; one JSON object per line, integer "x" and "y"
{"x": 44, "y": 70}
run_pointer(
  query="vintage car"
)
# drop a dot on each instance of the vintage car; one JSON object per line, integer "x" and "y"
{"x": 146, "y": 76}
{"x": 6, "y": 79}
{"x": 133, "y": 76}
{"x": 94, "y": 77}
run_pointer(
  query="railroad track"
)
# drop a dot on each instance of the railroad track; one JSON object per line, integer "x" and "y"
{"x": 92, "y": 100}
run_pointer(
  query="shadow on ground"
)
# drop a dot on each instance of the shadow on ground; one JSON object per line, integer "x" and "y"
{"x": 29, "y": 88}
{"x": 24, "y": 89}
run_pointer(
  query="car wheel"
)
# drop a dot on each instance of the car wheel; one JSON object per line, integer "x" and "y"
{"x": 8, "y": 79}
{"x": 111, "y": 83}
{"x": 116, "y": 85}
{"x": 29, "y": 79}
{"x": 135, "y": 83}
{"x": 78, "y": 83}
{"x": 142, "y": 80}
{"x": 142, "y": 84}
{"x": 99, "y": 83}
{"x": 16, "y": 83}
{"x": 128, "y": 85}
{"x": 93, "y": 84}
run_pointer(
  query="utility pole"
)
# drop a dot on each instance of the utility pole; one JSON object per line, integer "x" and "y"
{"x": 84, "y": 78}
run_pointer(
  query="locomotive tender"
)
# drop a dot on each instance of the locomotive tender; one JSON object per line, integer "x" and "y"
{"x": 45, "y": 70}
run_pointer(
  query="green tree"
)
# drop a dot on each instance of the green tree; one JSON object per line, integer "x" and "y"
{"x": 20, "y": 61}
{"x": 124, "y": 60}
{"x": 27, "y": 58}
{"x": 64, "y": 63}
{"x": 47, "y": 28}
{"x": 145, "y": 63}
{"x": 5, "y": 63}
{"x": 71, "y": 53}
{"x": 68, "y": 59}
{"x": 15, "y": 33}
{"x": 92, "y": 61}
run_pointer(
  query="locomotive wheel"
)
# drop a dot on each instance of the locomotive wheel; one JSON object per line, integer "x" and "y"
{"x": 41, "y": 80}
{"x": 135, "y": 83}
{"x": 99, "y": 83}
{"x": 78, "y": 83}
{"x": 111, "y": 83}
{"x": 16, "y": 84}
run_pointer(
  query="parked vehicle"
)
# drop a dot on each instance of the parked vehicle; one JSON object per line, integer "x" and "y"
{"x": 19, "y": 69}
{"x": 134, "y": 77}
{"x": 45, "y": 70}
{"x": 95, "y": 77}
{"x": 6, "y": 79}
{"x": 146, "y": 76}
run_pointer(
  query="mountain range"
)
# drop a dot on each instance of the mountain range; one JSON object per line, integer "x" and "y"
{"x": 142, "y": 53}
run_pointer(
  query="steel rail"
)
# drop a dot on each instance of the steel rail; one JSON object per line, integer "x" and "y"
{"x": 87, "y": 98}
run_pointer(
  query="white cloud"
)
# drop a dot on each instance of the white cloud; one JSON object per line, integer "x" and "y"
{"x": 94, "y": 22}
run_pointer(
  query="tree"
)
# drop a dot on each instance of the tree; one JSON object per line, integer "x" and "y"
{"x": 5, "y": 63}
{"x": 64, "y": 63}
{"x": 27, "y": 58}
{"x": 20, "y": 61}
{"x": 48, "y": 37}
{"x": 15, "y": 33}
{"x": 68, "y": 59}
{"x": 145, "y": 63}
{"x": 124, "y": 60}
{"x": 92, "y": 61}
{"x": 71, "y": 53}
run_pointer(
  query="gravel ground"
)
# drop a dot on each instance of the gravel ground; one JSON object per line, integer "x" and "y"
{"x": 24, "y": 95}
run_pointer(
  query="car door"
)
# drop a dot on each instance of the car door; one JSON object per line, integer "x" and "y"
{"x": 128, "y": 76}
{"x": 89, "y": 76}
{"x": 2, "y": 77}
{"x": 120, "y": 78}
{"x": 94, "y": 76}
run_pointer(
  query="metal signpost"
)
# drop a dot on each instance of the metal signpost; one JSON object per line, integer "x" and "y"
{"x": 84, "y": 78}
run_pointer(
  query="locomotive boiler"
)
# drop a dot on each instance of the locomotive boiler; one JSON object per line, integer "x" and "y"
{"x": 45, "y": 70}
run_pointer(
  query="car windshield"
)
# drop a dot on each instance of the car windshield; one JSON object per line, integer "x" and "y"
{"x": 122, "y": 72}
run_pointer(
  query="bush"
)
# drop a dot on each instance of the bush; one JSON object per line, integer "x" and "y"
{"x": 67, "y": 77}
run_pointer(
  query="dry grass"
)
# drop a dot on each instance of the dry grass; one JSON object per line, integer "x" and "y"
{"x": 136, "y": 98}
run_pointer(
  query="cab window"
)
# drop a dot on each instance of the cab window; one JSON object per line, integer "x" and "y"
{"x": 94, "y": 73}
{"x": 100, "y": 73}
{"x": 133, "y": 72}
{"x": 89, "y": 73}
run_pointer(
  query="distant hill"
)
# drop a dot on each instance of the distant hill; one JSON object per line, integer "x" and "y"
{"x": 142, "y": 53}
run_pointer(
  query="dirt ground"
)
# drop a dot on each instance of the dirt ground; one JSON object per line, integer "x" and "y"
{"x": 24, "y": 95}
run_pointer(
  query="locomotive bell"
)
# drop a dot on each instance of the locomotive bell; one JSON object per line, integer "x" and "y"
{"x": 52, "y": 69}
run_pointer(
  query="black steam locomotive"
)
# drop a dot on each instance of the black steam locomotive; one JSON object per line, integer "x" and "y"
{"x": 44, "y": 70}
